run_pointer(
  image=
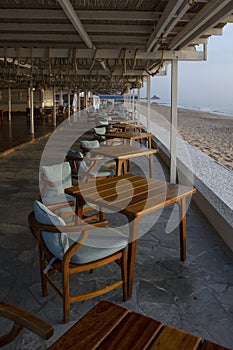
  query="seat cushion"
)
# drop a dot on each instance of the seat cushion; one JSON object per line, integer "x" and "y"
{"x": 89, "y": 144}
{"x": 101, "y": 242}
{"x": 102, "y": 172}
{"x": 100, "y": 131}
{"x": 81, "y": 164}
{"x": 56, "y": 242}
{"x": 59, "y": 175}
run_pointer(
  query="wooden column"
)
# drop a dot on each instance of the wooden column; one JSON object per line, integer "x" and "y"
{"x": 68, "y": 103}
{"x": 32, "y": 111}
{"x": 173, "y": 124}
{"x": 54, "y": 106}
{"x": 9, "y": 102}
{"x": 78, "y": 97}
{"x": 148, "y": 103}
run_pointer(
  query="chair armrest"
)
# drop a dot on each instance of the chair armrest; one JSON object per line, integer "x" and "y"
{"x": 26, "y": 320}
{"x": 60, "y": 205}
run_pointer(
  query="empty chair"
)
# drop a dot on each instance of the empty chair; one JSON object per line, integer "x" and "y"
{"x": 73, "y": 249}
{"x": 87, "y": 146}
{"x": 22, "y": 319}
{"x": 99, "y": 133}
{"x": 86, "y": 168}
{"x": 54, "y": 179}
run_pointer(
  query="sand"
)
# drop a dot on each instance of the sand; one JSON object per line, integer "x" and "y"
{"x": 209, "y": 132}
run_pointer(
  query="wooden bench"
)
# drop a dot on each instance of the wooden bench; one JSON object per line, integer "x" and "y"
{"x": 112, "y": 327}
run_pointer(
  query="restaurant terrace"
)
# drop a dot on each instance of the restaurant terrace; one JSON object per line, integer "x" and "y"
{"x": 82, "y": 157}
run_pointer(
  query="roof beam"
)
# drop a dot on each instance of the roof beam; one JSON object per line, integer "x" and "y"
{"x": 56, "y": 27}
{"x": 100, "y": 54}
{"x": 211, "y": 14}
{"x": 82, "y": 14}
{"x": 167, "y": 16}
{"x": 66, "y": 38}
{"x": 71, "y": 14}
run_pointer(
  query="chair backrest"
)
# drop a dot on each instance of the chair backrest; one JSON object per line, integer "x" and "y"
{"x": 100, "y": 130}
{"x": 23, "y": 319}
{"x": 54, "y": 179}
{"x": 88, "y": 145}
{"x": 75, "y": 158}
{"x": 56, "y": 242}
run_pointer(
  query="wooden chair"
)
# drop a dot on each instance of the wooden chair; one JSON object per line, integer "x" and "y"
{"x": 53, "y": 180}
{"x": 86, "y": 147}
{"x": 86, "y": 168}
{"x": 22, "y": 319}
{"x": 70, "y": 249}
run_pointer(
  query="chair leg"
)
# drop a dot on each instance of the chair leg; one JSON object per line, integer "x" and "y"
{"x": 101, "y": 215}
{"x": 43, "y": 280}
{"x": 66, "y": 295}
{"x": 124, "y": 274}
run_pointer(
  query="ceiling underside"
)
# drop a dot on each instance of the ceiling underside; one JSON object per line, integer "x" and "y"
{"x": 102, "y": 45}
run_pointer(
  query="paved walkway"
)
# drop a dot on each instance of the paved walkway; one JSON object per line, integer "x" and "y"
{"x": 196, "y": 295}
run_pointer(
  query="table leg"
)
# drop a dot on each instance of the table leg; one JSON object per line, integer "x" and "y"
{"x": 183, "y": 229}
{"x": 151, "y": 165}
{"x": 149, "y": 142}
{"x": 78, "y": 212}
{"x": 119, "y": 163}
{"x": 133, "y": 234}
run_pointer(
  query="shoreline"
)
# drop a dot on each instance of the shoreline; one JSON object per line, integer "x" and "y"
{"x": 211, "y": 133}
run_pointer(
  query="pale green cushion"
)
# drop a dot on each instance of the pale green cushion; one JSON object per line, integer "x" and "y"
{"x": 56, "y": 242}
{"x": 79, "y": 162}
{"x": 100, "y": 131}
{"x": 59, "y": 175}
{"x": 89, "y": 144}
{"x": 101, "y": 242}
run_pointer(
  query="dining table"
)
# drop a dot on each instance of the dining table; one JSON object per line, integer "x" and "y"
{"x": 134, "y": 196}
{"x": 131, "y": 136}
{"x": 128, "y": 127}
{"x": 109, "y": 326}
{"x": 123, "y": 153}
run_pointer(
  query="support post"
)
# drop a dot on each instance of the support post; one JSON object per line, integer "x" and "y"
{"x": 79, "y": 105}
{"x": 42, "y": 98}
{"x": 173, "y": 124}
{"x": 133, "y": 105}
{"x": 32, "y": 111}
{"x": 148, "y": 103}
{"x": 68, "y": 103}
{"x": 86, "y": 99}
{"x": 9, "y": 102}
{"x": 61, "y": 98}
{"x": 54, "y": 106}
{"x": 138, "y": 103}
{"x": 29, "y": 98}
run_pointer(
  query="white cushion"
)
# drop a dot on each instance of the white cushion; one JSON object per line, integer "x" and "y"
{"x": 59, "y": 175}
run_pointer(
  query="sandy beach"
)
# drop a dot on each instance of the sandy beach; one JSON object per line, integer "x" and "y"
{"x": 209, "y": 132}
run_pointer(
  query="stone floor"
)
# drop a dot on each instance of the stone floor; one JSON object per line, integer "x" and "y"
{"x": 195, "y": 295}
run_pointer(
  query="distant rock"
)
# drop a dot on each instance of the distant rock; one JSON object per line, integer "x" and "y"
{"x": 154, "y": 97}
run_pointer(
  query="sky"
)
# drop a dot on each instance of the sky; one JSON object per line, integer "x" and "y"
{"x": 205, "y": 84}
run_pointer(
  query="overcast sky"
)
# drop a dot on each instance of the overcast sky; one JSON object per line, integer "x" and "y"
{"x": 205, "y": 83}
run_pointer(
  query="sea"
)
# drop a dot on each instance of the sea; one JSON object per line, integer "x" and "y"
{"x": 224, "y": 109}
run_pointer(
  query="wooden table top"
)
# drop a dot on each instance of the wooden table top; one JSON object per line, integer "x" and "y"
{"x": 109, "y": 326}
{"x": 122, "y": 151}
{"x": 125, "y": 121}
{"x": 142, "y": 195}
{"x": 129, "y": 134}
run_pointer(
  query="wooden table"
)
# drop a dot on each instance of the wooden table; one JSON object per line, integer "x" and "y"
{"x": 131, "y": 136}
{"x": 143, "y": 196}
{"x": 127, "y": 127}
{"x": 121, "y": 153}
{"x": 109, "y": 326}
